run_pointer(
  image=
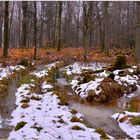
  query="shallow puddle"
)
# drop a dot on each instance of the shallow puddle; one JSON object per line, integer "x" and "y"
{"x": 7, "y": 105}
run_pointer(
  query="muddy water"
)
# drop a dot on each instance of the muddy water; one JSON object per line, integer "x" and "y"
{"x": 99, "y": 116}
{"x": 7, "y": 105}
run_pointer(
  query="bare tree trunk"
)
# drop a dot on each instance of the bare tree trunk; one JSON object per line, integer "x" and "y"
{"x": 41, "y": 26}
{"x": 19, "y": 24}
{"x": 35, "y": 31}
{"x": 101, "y": 31}
{"x": 86, "y": 17}
{"x": 10, "y": 24}
{"x": 90, "y": 25}
{"x": 106, "y": 25}
{"x": 1, "y": 20}
{"x": 58, "y": 26}
{"x": 24, "y": 24}
{"x": 6, "y": 28}
{"x": 137, "y": 47}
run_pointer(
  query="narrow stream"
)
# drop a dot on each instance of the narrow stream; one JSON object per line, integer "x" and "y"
{"x": 7, "y": 105}
{"x": 99, "y": 116}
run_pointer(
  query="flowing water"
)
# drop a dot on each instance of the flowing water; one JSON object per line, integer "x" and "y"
{"x": 99, "y": 116}
{"x": 7, "y": 105}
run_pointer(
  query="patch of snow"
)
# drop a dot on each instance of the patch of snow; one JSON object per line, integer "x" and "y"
{"x": 130, "y": 129}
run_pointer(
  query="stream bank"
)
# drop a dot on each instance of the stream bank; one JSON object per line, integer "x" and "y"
{"x": 99, "y": 116}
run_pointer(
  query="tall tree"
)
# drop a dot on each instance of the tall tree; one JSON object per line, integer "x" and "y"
{"x": 58, "y": 25}
{"x": 6, "y": 28}
{"x": 1, "y": 20}
{"x": 35, "y": 30}
{"x": 24, "y": 24}
{"x": 106, "y": 26}
{"x": 137, "y": 47}
{"x": 86, "y": 20}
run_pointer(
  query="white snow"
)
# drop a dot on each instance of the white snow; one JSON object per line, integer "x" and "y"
{"x": 9, "y": 70}
{"x": 43, "y": 73}
{"x": 77, "y": 67}
{"x": 82, "y": 89}
{"x": 46, "y": 114}
{"x": 131, "y": 130}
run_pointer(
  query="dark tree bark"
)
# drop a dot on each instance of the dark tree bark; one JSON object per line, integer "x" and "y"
{"x": 6, "y": 29}
{"x": 35, "y": 31}
{"x": 24, "y": 24}
{"x": 1, "y": 20}
{"x": 137, "y": 48}
{"x": 58, "y": 26}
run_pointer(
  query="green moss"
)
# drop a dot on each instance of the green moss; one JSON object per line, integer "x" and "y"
{"x": 29, "y": 79}
{"x": 102, "y": 133}
{"x": 119, "y": 63}
{"x": 130, "y": 110}
{"x": 111, "y": 75}
{"x": 37, "y": 128}
{"x": 20, "y": 125}
{"x": 60, "y": 121}
{"x": 135, "y": 120}
{"x": 88, "y": 77}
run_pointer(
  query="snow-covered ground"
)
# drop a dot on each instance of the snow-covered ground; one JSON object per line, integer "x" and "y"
{"x": 43, "y": 73}
{"x": 76, "y": 68}
{"x": 124, "y": 122}
{"x": 9, "y": 70}
{"x": 45, "y": 118}
{"x": 46, "y": 114}
{"x": 82, "y": 89}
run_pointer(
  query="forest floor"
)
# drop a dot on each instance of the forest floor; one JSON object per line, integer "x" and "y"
{"x": 59, "y": 96}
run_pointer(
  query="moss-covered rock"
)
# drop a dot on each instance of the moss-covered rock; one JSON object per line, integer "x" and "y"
{"x": 119, "y": 63}
{"x": 20, "y": 125}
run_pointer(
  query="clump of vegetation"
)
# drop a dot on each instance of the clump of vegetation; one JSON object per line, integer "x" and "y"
{"x": 38, "y": 128}
{"x": 102, "y": 133}
{"x": 111, "y": 75}
{"x": 76, "y": 127}
{"x": 25, "y": 105}
{"x": 61, "y": 120}
{"x": 73, "y": 111}
{"x": 25, "y": 100}
{"x": 88, "y": 77}
{"x": 75, "y": 119}
{"x": 62, "y": 98}
{"x": 123, "y": 119}
{"x": 24, "y": 62}
{"x": 29, "y": 79}
{"x": 91, "y": 95}
{"x": 137, "y": 71}
{"x": 135, "y": 120}
{"x": 131, "y": 110}
{"x": 119, "y": 63}
{"x": 3, "y": 89}
{"x": 35, "y": 98}
{"x": 20, "y": 125}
